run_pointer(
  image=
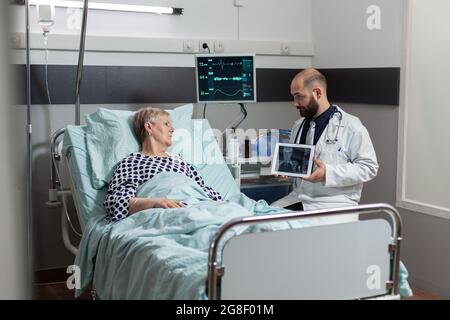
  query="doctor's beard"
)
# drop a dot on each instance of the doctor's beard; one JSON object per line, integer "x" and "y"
{"x": 311, "y": 109}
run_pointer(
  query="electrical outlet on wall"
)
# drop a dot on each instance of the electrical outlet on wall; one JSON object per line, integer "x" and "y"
{"x": 203, "y": 46}
{"x": 188, "y": 46}
{"x": 219, "y": 47}
{"x": 285, "y": 49}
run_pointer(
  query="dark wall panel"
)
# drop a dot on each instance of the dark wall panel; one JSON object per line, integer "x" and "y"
{"x": 380, "y": 86}
{"x": 124, "y": 85}
{"x": 273, "y": 85}
{"x": 110, "y": 84}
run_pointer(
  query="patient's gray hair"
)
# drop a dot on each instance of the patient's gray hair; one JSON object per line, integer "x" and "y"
{"x": 142, "y": 116}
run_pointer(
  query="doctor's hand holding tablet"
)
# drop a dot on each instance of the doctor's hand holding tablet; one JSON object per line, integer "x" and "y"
{"x": 295, "y": 160}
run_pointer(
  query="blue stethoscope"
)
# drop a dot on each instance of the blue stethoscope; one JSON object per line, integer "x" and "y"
{"x": 337, "y": 113}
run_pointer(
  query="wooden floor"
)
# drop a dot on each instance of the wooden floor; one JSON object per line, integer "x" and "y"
{"x": 59, "y": 291}
{"x": 422, "y": 295}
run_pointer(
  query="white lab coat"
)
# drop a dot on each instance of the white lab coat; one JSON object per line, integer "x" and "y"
{"x": 349, "y": 163}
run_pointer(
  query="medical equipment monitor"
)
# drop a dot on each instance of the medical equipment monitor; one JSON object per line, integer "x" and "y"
{"x": 226, "y": 78}
{"x": 294, "y": 160}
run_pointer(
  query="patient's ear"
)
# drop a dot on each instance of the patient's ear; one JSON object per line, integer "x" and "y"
{"x": 148, "y": 128}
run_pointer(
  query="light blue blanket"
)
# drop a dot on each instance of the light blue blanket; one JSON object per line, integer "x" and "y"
{"x": 163, "y": 253}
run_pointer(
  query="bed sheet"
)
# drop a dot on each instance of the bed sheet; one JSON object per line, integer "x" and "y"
{"x": 163, "y": 253}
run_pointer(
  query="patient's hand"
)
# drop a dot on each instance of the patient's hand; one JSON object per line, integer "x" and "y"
{"x": 139, "y": 204}
{"x": 165, "y": 203}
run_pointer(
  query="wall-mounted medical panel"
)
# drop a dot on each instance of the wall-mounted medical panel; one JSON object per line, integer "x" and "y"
{"x": 95, "y": 43}
{"x": 133, "y": 84}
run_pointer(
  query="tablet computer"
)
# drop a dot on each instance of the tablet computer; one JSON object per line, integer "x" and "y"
{"x": 294, "y": 160}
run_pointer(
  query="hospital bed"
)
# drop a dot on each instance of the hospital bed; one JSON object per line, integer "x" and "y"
{"x": 358, "y": 259}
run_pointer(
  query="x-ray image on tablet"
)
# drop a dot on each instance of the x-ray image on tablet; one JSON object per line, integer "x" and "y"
{"x": 295, "y": 160}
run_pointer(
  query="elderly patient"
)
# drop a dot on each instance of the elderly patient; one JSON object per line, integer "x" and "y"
{"x": 153, "y": 129}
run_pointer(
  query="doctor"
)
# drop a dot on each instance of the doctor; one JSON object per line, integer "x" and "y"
{"x": 345, "y": 157}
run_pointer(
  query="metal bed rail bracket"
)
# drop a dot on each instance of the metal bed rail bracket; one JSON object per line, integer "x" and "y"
{"x": 53, "y": 204}
{"x": 220, "y": 271}
{"x": 392, "y": 248}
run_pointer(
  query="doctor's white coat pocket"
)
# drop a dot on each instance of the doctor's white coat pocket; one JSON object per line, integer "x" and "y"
{"x": 334, "y": 154}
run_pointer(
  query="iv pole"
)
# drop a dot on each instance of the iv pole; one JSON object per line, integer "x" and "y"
{"x": 29, "y": 127}
{"x": 57, "y": 134}
{"x": 29, "y": 130}
{"x": 80, "y": 64}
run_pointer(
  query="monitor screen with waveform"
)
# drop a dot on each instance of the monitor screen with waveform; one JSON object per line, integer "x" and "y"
{"x": 226, "y": 78}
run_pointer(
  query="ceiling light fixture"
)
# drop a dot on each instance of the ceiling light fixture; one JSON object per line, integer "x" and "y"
{"x": 113, "y": 7}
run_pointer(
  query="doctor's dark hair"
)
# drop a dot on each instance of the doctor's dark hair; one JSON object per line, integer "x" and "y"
{"x": 141, "y": 117}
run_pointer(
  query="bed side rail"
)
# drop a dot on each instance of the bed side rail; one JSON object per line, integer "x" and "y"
{"x": 215, "y": 271}
{"x": 57, "y": 191}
